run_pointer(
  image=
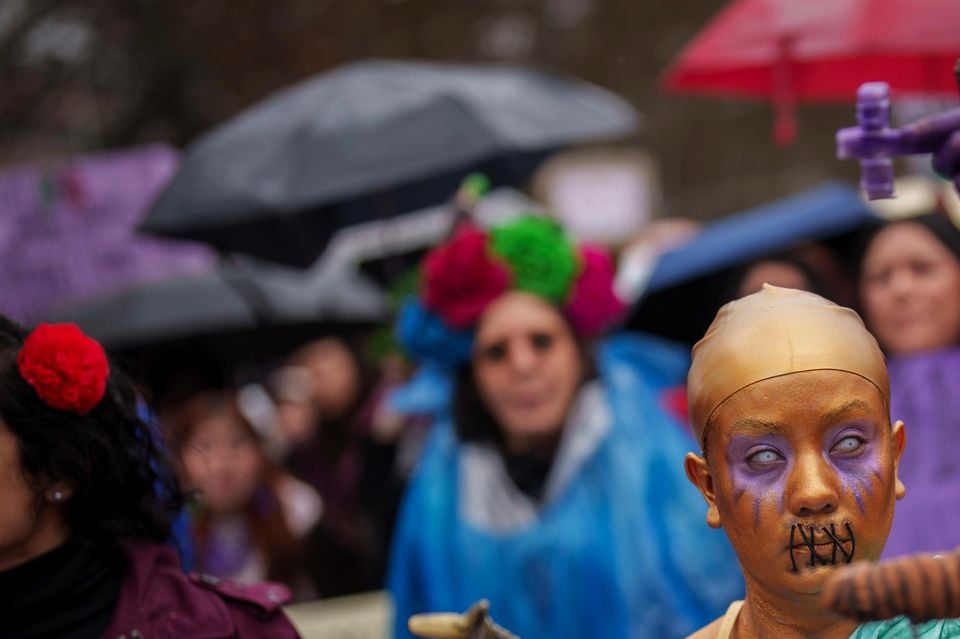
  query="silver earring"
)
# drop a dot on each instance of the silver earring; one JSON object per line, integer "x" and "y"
{"x": 57, "y": 495}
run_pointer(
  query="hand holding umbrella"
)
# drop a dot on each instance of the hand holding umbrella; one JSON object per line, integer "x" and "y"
{"x": 946, "y": 161}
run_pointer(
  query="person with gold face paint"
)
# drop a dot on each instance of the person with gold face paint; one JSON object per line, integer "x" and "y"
{"x": 789, "y": 398}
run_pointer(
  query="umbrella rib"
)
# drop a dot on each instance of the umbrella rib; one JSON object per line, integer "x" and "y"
{"x": 250, "y": 292}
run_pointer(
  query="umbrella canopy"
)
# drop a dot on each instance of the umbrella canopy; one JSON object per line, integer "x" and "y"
{"x": 690, "y": 283}
{"x": 370, "y": 140}
{"x": 387, "y": 250}
{"x": 242, "y": 298}
{"x": 67, "y": 230}
{"x": 820, "y": 50}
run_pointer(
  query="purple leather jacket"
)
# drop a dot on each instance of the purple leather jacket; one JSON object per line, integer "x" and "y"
{"x": 157, "y": 601}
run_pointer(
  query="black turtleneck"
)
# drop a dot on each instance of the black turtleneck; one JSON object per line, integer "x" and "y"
{"x": 529, "y": 473}
{"x": 69, "y": 592}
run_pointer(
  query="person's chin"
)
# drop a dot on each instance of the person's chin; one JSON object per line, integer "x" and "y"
{"x": 806, "y": 579}
{"x": 913, "y": 336}
{"x": 225, "y": 504}
{"x": 535, "y": 423}
{"x": 532, "y": 416}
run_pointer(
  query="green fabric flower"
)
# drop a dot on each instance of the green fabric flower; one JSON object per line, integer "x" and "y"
{"x": 541, "y": 256}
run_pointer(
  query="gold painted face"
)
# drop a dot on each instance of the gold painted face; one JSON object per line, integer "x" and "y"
{"x": 800, "y": 471}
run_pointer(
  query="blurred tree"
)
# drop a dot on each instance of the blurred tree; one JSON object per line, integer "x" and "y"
{"x": 79, "y": 75}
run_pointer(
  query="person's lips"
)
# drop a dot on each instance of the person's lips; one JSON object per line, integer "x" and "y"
{"x": 529, "y": 400}
{"x": 805, "y": 548}
{"x": 818, "y": 538}
{"x": 906, "y": 320}
{"x": 826, "y": 544}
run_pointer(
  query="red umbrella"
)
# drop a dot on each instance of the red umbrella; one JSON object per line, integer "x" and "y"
{"x": 790, "y": 51}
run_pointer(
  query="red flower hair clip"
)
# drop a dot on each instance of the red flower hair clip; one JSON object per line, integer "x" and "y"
{"x": 67, "y": 369}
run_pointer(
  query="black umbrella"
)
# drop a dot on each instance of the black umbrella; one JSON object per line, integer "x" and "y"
{"x": 226, "y": 326}
{"x": 370, "y": 140}
{"x": 388, "y": 250}
{"x": 242, "y": 298}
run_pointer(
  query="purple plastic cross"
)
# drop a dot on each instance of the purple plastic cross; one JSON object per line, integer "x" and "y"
{"x": 876, "y": 144}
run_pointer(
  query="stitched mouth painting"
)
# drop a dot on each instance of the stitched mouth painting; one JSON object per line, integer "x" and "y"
{"x": 813, "y": 545}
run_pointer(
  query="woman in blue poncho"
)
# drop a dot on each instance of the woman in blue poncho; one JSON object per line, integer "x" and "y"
{"x": 553, "y": 486}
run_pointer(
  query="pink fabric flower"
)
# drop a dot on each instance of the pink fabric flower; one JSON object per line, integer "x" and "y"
{"x": 460, "y": 278}
{"x": 593, "y": 305}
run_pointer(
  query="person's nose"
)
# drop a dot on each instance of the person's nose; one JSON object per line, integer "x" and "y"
{"x": 523, "y": 357}
{"x": 901, "y": 282}
{"x": 219, "y": 460}
{"x": 812, "y": 486}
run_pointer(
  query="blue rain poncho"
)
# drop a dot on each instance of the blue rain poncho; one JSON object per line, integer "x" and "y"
{"x": 619, "y": 548}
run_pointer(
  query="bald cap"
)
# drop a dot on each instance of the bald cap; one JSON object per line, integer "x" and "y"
{"x": 778, "y": 331}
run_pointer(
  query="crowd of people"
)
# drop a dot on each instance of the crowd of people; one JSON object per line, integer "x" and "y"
{"x": 541, "y": 466}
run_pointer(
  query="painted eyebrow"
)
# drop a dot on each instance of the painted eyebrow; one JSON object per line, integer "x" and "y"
{"x": 843, "y": 410}
{"x": 757, "y": 427}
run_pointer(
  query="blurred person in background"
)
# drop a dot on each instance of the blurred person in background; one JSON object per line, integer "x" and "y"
{"x": 86, "y": 503}
{"x": 322, "y": 418}
{"x": 910, "y": 297}
{"x": 295, "y": 419}
{"x": 551, "y": 487}
{"x": 343, "y": 441}
{"x": 812, "y": 266}
{"x": 785, "y": 270}
{"x": 251, "y": 517}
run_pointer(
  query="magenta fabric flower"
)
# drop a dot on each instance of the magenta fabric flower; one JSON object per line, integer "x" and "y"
{"x": 593, "y": 305}
{"x": 460, "y": 278}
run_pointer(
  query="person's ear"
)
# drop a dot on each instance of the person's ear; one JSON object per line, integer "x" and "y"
{"x": 58, "y": 493}
{"x": 699, "y": 475}
{"x": 899, "y": 438}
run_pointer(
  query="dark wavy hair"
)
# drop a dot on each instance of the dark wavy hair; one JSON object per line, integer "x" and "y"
{"x": 122, "y": 485}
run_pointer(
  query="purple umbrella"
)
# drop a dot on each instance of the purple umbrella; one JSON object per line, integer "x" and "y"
{"x": 67, "y": 231}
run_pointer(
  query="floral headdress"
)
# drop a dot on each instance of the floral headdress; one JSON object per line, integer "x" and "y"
{"x": 531, "y": 254}
{"x": 67, "y": 369}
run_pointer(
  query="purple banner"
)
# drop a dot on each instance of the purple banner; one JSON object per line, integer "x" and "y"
{"x": 67, "y": 231}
